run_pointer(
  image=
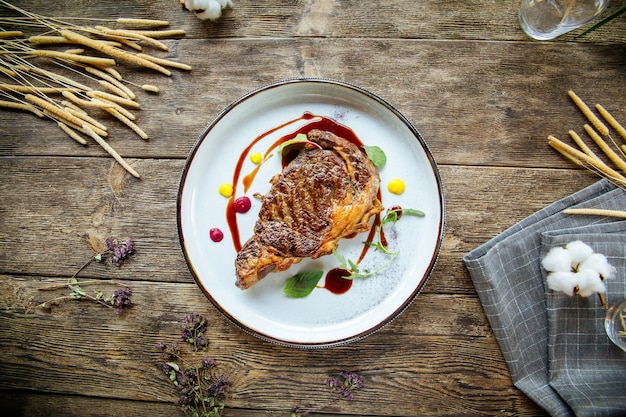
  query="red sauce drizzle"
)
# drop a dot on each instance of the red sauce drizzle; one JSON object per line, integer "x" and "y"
{"x": 335, "y": 281}
{"x": 231, "y": 217}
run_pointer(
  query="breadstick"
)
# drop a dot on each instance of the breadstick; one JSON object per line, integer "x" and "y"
{"x": 21, "y": 106}
{"x": 582, "y": 145}
{"x": 114, "y": 98}
{"x": 614, "y": 157}
{"x": 114, "y": 89}
{"x": 133, "y": 35}
{"x": 565, "y": 149}
{"x": 129, "y": 123}
{"x": 84, "y": 116}
{"x": 596, "y": 212}
{"x": 110, "y": 150}
{"x": 161, "y": 33}
{"x": 604, "y": 131}
{"x": 77, "y": 126}
{"x": 113, "y": 52}
{"x": 77, "y": 51}
{"x": 118, "y": 40}
{"x": 92, "y": 60}
{"x": 609, "y": 118}
{"x": 151, "y": 88}
{"x": 112, "y": 71}
{"x": 71, "y": 133}
{"x": 87, "y": 103}
{"x": 148, "y": 22}
{"x": 5, "y": 34}
{"x": 112, "y": 79}
{"x": 8, "y": 72}
{"x": 165, "y": 62}
{"x": 113, "y": 105}
{"x": 45, "y": 39}
{"x": 69, "y": 104}
{"x": 52, "y": 109}
{"x": 18, "y": 88}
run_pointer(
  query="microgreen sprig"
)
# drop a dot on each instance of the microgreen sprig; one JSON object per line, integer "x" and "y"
{"x": 302, "y": 284}
{"x": 392, "y": 215}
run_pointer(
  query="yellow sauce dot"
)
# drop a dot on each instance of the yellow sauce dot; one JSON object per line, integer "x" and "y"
{"x": 256, "y": 158}
{"x": 396, "y": 186}
{"x": 226, "y": 189}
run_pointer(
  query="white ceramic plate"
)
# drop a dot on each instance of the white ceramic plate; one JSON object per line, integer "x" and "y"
{"x": 322, "y": 319}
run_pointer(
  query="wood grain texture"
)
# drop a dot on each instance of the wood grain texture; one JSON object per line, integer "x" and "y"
{"x": 483, "y": 95}
{"x": 476, "y": 103}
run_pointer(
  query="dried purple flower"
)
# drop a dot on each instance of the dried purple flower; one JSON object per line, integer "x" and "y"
{"x": 116, "y": 251}
{"x": 218, "y": 388}
{"x": 194, "y": 328}
{"x": 169, "y": 351}
{"x": 345, "y": 384}
{"x": 208, "y": 363}
{"x": 121, "y": 299}
{"x": 352, "y": 380}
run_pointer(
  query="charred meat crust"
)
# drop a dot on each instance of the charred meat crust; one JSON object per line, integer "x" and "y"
{"x": 322, "y": 196}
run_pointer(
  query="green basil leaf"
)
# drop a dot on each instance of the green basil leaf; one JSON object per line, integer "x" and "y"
{"x": 376, "y": 155}
{"x": 302, "y": 284}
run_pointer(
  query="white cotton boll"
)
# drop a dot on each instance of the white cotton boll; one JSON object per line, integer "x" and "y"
{"x": 213, "y": 11}
{"x": 579, "y": 251}
{"x": 562, "y": 281}
{"x": 196, "y": 4}
{"x": 557, "y": 259}
{"x": 589, "y": 282}
{"x": 598, "y": 263}
{"x": 207, "y": 9}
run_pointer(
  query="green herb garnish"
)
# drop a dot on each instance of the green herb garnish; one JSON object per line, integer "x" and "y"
{"x": 302, "y": 284}
{"x": 376, "y": 155}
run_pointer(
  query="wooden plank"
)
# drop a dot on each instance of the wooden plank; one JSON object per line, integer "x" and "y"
{"x": 82, "y": 348}
{"x": 79, "y": 199}
{"x": 327, "y": 18}
{"x": 476, "y": 103}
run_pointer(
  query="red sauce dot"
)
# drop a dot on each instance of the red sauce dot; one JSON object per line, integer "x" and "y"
{"x": 216, "y": 235}
{"x": 335, "y": 281}
{"x": 242, "y": 204}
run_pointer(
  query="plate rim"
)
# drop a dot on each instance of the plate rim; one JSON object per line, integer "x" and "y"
{"x": 434, "y": 257}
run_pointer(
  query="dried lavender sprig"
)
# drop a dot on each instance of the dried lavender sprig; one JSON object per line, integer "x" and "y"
{"x": 343, "y": 386}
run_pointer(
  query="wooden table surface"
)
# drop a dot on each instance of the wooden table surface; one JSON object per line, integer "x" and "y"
{"x": 483, "y": 95}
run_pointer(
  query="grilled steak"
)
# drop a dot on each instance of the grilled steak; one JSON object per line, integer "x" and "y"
{"x": 322, "y": 196}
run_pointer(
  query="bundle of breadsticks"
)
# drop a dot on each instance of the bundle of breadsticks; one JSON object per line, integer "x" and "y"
{"x": 33, "y": 69}
{"x": 615, "y": 153}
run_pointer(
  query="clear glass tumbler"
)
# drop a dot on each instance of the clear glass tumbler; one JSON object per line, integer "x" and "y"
{"x": 615, "y": 324}
{"x": 547, "y": 19}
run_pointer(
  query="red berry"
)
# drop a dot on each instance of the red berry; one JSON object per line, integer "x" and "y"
{"x": 242, "y": 204}
{"x": 216, "y": 234}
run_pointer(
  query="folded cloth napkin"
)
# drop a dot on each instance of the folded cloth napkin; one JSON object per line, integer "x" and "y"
{"x": 586, "y": 369}
{"x": 508, "y": 277}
